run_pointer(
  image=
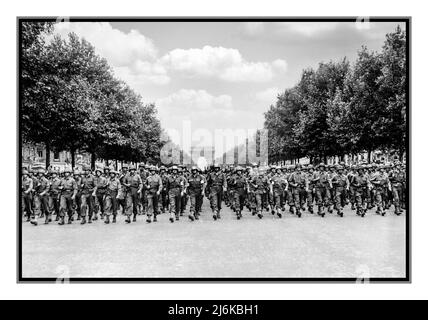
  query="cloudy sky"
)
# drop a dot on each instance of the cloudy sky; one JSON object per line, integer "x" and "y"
{"x": 221, "y": 75}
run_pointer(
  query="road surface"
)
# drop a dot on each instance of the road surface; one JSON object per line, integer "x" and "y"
{"x": 290, "y": 247}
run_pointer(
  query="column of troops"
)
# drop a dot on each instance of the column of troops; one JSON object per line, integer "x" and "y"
{"x": 87, "y": 195}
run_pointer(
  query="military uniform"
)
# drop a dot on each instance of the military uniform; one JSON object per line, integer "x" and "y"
{"x": 41, "y": 198}
{"x": 297, "y": 182}
{"x": 153, "y": 188}
{"x": 133, "y": 183}
{"x": 110, "y": 201}
{"x": 217, "y": 183}
{"x": 361, "y": 184}
{"x": 258, "y": 183}
{"x": 164, "y": 193}
{"x": 87, "y": 199}
{"x": 279, "y": 186}
{"x": 68, "y": 192}
{"x": 322, "y": 188}
{"x": 100, "y": 190}
{"x": 340, "y": 184}
{"x": 398, "y": 180}
{"x": 381, "y": 185}
{"x": 27, "y": 198}
{"x": 196, "y": 184}
{"x": 175, "y": 186}
{"x": 55, "y": 192}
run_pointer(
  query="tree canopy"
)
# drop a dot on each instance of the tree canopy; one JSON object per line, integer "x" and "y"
{"x": 340, "y": 108}
{"x": 72, "y": 101}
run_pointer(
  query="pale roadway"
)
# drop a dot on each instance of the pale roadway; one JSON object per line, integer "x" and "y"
{"x": 373, "y": 246}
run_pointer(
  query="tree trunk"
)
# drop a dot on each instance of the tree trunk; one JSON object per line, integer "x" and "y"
{"x": 369, "y": 156}
{"x": 48, "y": 155}
{"x": 325, "y": 159}
{"x": 93, "y": 158}
{"x": 115, "y": 165}
{"x": 73, "y": 158}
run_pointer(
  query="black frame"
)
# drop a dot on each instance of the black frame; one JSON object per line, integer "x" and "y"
{"x": 406, "y": 20}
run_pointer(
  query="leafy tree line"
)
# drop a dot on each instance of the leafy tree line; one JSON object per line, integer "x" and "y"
{"x": 341, "y": 109}
{"x": 71, "y": 101}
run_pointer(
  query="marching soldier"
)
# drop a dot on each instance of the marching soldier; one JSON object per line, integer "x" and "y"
{"x": 143, "y": 204}
{"x": 121, "y": 197}
{"x": 55, "y": 193}
{"x": 217, "y": 185}
{"x": 277, "y": 188}
{"x": 310, "y": 187}
{"x": 322, "y": 187}
{"x": 340, "y": 184}
{"x": 153, "y": 189}
{"x": 68, "y": 193}
{"x": 196, "y": 187}
{"x": 87, "y": 195}
{"x": 398, "y": 180}
{"x": 164, "y": 192}
{"x": 175, "y": 189}
{"x": 100, "y": 190}
{"x": 27, "y": 198}
{"x": 297, "y": 182}
{"x": 258, "y": 185}
{"x": 381, "y": 186}
{"x": 41, "y": 198}
{"x": 361, "y": 184}
{"x": 134, "y": 185}
{"x": 110, "y": 201}
{"x": 78, "y": 199}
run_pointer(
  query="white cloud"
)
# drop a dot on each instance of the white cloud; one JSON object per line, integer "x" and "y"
{"x": 308, "y": 29}
{"x": 135, "y": 59}
{"x": 268, "y": 95}
{"x": 118, "y": 47}
{"x": 142, "y": 72}
{"x": 222, "y": 63}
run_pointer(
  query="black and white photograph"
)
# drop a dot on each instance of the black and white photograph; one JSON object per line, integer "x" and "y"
{"x": 213, "y": 149}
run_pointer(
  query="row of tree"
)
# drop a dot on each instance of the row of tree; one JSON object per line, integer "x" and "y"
{"x": 341, "y": 108}
{"x": 71, "y": 101}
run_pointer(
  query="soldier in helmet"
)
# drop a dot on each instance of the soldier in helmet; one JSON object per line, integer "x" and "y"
{"x": 121, "y": 197}
{"x": 217, "y": 185}
{"x": 27, "y": 197}
{"x": 176, "y": 187}
{"x": 78, "y": 200}
{"x": 340, "y": 184}
{"x": 238, "y": 186}
{"x": 100, "y": 190}
{"x": 41, "y": 197}
{"x": 278, "y": 185}
{"x": 110, "y": 199}
{"x": 196, "y": 187}
{"x": 134, "y": 185}
{"x": 258, "y": 184}
{"x": 310, "y": 188}
{"x": 361, "y": 183}
{"x": 397, "y": 177}
{"x": 297, "y": 182}
{"x": 54, "y": 192}
{"x": 381, "y": 185}
{"x": 87, "y": 195}
{"x": 163, "y": 200}
{"x": 153, "y": 187}
{"x": 183, "y": 172}
{"x": 68, "y": 193}
{"x": 322, "y": 187}
{"x": 143, "y": 173}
